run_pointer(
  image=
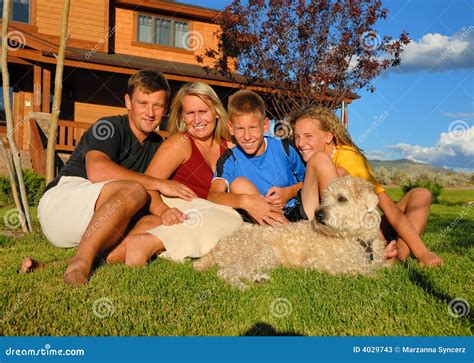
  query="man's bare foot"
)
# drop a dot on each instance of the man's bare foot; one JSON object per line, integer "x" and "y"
{"x": 430, "y": 259}
{"x": 139, "y": 248}
{"x": 29, "y": 265}
{"x": 76, "y": 273}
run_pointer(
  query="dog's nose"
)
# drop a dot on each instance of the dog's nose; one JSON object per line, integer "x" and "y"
{"x": 320, "y": 215}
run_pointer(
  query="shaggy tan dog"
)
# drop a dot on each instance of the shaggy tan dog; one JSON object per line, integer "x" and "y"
{"x": 342, "y": 239}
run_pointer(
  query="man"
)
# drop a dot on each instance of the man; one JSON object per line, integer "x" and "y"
{"x": 95, "y": 196}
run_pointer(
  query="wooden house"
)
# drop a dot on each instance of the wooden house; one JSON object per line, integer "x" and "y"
{"x": 108, "y": 41}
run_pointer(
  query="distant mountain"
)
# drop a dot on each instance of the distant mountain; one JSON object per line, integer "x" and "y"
{"x": 409, "y": 166}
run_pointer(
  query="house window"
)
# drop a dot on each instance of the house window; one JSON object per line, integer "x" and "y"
{"x": 20, "y": 10}
{"x": 162, "y": 31}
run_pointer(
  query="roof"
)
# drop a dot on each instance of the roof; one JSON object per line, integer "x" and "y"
{"x": 136, "y": 62}
{"x": 171, "y": 7}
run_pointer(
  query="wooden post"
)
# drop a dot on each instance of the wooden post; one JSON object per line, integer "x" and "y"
{"x": 46, "y": 98}
{"x": 18, "y": 173}
{"x": 58, "y": 86}
{"x": 37, "y": 88}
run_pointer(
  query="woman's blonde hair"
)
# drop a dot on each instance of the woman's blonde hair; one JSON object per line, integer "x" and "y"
{"x": 206, "y": 94}
{"x": 328, "y": 122}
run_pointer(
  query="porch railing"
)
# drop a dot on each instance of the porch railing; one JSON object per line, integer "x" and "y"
{"x": 69, "y": 135}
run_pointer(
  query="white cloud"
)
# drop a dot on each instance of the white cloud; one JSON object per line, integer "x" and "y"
{"x": 454, "y": 149}
{"x": 379, "y": 155}
{"x": 437, "y": 52}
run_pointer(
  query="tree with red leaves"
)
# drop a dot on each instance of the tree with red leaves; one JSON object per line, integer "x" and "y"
{"x": 301, "y": 53}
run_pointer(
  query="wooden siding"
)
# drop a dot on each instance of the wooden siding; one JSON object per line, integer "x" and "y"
{"x": 87, "y": 19}
{"x": 126, "y": 42}
{"x": 90, "y": 113}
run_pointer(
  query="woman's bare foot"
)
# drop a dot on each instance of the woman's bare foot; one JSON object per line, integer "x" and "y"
{"x": 139, "y": 248}
{"x": 77, "y": 273}
{"x": 430, "y": 259}
{"x": 29, "y": 265}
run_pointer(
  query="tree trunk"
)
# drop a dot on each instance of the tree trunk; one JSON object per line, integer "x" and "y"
{"x": 17, "y": 172}
{"x": 58, "y": 86}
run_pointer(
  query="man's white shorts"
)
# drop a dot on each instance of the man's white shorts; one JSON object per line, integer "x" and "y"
{"x": 66, "y": 210}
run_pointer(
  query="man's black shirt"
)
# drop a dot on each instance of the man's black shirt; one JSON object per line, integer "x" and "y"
{"x": 114, "y": 137}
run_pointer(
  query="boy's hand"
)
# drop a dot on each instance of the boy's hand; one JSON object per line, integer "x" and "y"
{"x": 277, "y": 197}
{"x": 262, "y": 212}
{"x": 172, "y": 216}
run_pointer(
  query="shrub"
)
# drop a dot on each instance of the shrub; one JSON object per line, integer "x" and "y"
{"x": 34, "y": 185}
{"x": 433, "y": 186}
{"x": 5, "y": 190}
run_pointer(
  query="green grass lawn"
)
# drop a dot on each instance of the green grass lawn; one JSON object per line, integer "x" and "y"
{"x": 165, "y": 298}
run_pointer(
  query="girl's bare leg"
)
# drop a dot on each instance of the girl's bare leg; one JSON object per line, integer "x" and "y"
{"x": 416, "y": 207}
{"x": 320, "y": 170}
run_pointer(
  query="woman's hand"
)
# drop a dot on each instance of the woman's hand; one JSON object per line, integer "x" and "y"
{"x": 171, "y": 188}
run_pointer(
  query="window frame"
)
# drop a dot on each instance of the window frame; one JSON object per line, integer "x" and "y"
{"x": 31, "y": 18}
{"x": 154, "y": 44}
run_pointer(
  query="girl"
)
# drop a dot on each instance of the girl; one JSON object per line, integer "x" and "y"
{"x": 329, "y": 152}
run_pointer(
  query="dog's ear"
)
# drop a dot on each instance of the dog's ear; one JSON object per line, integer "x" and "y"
{"x": 366, "y": 192}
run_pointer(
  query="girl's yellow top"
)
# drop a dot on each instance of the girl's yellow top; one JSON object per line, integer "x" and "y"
{"x": 355, "y": 164}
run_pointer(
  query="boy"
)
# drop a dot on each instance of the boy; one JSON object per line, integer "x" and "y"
{"x": 261, "y": 176}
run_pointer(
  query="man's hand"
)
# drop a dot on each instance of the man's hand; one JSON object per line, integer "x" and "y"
{"x": 262, "y": 212}
{"x": 171, "y": 188}
{"x": 172, "y": 216}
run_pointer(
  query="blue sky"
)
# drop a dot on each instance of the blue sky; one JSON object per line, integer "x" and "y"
{"x": 424, "y": 109}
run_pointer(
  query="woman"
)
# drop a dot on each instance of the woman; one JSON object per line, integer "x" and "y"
{"x": 198, "y": 137}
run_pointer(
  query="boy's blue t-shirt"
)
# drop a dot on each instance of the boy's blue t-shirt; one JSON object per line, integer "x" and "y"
{"x": 280, "y": 165}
